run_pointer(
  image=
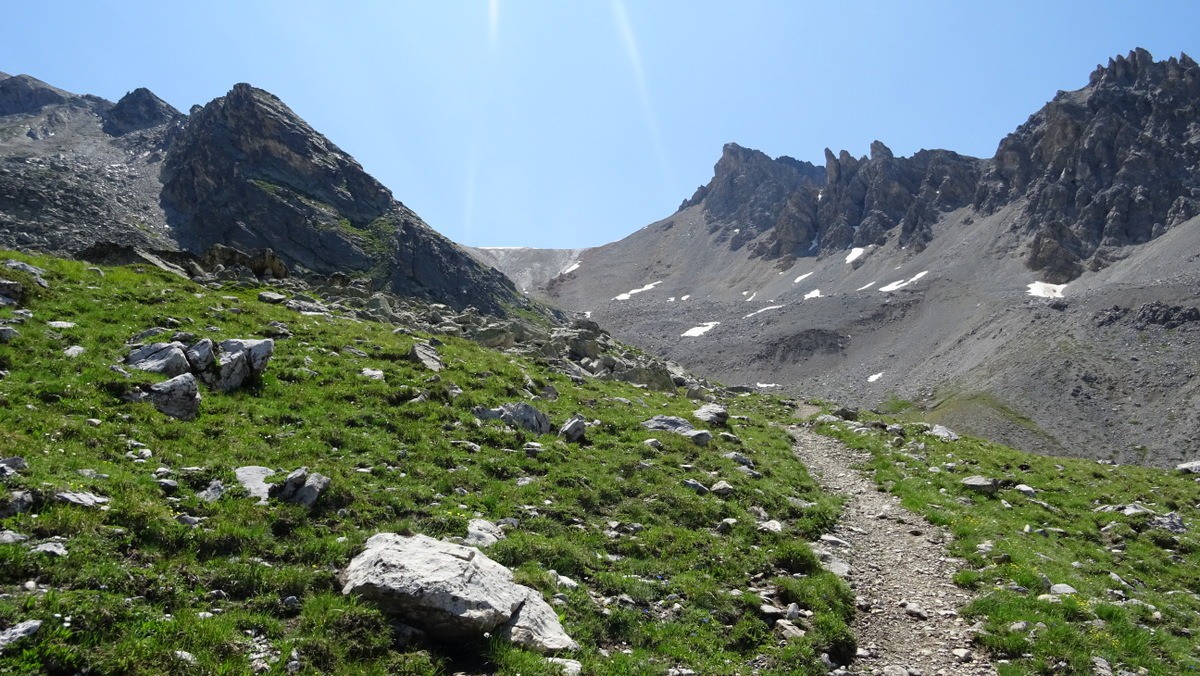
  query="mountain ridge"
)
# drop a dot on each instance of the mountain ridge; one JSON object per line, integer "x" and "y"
{"x": 924, "y": 270}
{"x": 84, "y": 174}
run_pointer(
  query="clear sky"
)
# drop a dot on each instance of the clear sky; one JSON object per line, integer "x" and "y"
{"x": 572, "y": 123}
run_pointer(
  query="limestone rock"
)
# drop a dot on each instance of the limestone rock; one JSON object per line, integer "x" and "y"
{"x": 253, "y": 479}
{"x": 8, "y": 537}
{"x": 451, "y": 590}
{"x": 178, "y": 397}
{"x": 168, "y": 359}
{"x": 82, "y": 499}
{"x": 19, "y": 631}
{"x": 1192, "y": 467}
{"x": 574, "y": 429}
{"x": 715, "y": 414}
{"x": 300, "y": 487}
{"x": 677, "y": 425}
{"x": 981, "y": 484}
{"x": 482, "y": 533}
{"x": 426, "y": 355}
{"x": 944, "y": 433}
{"x": 517, "y": 414}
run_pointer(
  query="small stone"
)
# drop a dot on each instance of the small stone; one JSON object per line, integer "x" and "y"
{"x": 372, "y": 374}
{"x": 81, "y": 499}
{"x": 1059, "y": 589}
{"x": 1027, "y": 491}
{"x": 74, "y": 351}
{"x": 700, "y": 488}
{"x": 9, "y": 537}
{"x": 1192, "y": 467}
{"x": 916, "y": 611}
{"x": 272, "y": 298}
{"x": 185, "y": 656}
{"x": 92, "y": 422}
{"x": 573, "y": 430}
{"x": 51, "y": 548}
{"x": 771, "y": 526}
{"x": 653, "y": 443}
{"x": 726, "y": 525}
{"x": 788, "y": 630}
{"x": 569, "y": 667}
{"x": 19, "y": 631}
{"x": 722, "y": 488}
{"x": 943, "y": 433}
{"x": 981, "y": 484}
{"x": 963, "y": 655}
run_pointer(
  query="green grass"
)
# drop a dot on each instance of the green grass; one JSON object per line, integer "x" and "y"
{"x": 136, "y": 579}
{"x": 1062, "y": 540}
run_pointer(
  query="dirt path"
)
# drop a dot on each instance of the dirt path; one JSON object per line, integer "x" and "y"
{"x": 899, "y": 570}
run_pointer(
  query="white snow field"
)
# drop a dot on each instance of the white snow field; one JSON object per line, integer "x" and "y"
{"x": 697, "y": 331}
{"x": 629, "y": 294}
{"x": 1044, "y": 290}
{"x": 903, "y": 282}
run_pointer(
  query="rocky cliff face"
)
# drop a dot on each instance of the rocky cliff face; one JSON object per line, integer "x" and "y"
{"x": 79, "y": 172}
{"x": 1112, "y": 164}
{"x": 1109, "y": 165}
{"x": 789, "y": 208}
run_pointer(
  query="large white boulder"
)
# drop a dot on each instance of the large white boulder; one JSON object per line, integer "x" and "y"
{"x": 451, "y": 590}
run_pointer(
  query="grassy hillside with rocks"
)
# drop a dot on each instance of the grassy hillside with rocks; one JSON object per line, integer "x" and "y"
{"x": 128, "y": 534}
{"x": 132, "y": 541}
{"x": 1082, "y": 567}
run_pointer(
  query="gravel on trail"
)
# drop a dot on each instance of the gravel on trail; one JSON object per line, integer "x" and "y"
{"x": 899, "y": 570}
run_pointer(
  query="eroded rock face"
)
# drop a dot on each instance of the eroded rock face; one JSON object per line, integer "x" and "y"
{"x": 1112, "y": 164}
{"x": 178, "y": 397}
{"x": 451, "y": 591}
{"x": 247, "y": 172}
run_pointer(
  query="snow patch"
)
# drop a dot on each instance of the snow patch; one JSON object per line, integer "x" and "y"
{"x": 874, "y": 376}
{"x": 1044, "y": 290}
{"x": 629, "y": 294}
{"x": 815, "y": 293}
{"x": 751, "y": 296}
{"x": 685, "y": 297}
{"x": 573, "y": 268}
{"x": 587, "y": 315}
{"x": 864, "y": 288}
{"x": 802, "y": 277}
{"x": 671, "y": 299}
{"x": 855, "y": 254}
{"x": 903, "y": 282}
{"x": 696, "y": 331}
{"x": 766, "y": 385}
{"x": 769, "y": 307}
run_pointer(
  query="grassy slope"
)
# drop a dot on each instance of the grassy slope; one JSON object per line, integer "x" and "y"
{"x": 129, "y": 593}
{"x": 1063, "y": 541}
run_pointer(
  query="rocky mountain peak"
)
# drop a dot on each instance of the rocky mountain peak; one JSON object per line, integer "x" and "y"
{"x": 25, "y": 94}
{"x": 1109, "y": 165}
{"x": 139, "y": 109}
{"x": 749, "y": 188}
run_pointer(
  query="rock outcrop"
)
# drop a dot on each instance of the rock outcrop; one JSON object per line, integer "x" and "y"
{"x": 450, "y": 591}
{"x": 247, "y": 172}
{"x": 137, "y": 179}
{"x": 1111, "y": 164}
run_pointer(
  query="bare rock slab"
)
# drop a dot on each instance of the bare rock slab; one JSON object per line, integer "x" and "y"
{"x": 253, "y": 479}
{"x": 178, "y": 397}
{"x": 426, "y": 355}
{"x": 715, "y": 414}
{"x": 18, "y": 632}
{"x": 677, "y": 425}
{"x": 451, "y": 590}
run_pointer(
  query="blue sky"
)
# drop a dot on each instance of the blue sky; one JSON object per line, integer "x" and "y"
{"x": 574, "y": 123}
